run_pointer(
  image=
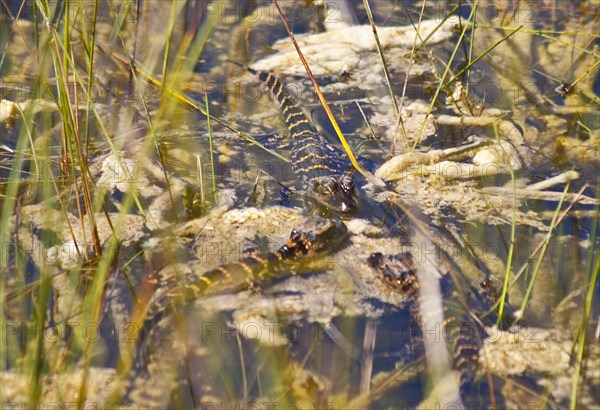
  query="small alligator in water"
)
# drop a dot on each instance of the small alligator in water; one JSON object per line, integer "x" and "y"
{"x": 315, "y": 235}
{"x": 460, "y": 330}
{"x": 320, "y": 167}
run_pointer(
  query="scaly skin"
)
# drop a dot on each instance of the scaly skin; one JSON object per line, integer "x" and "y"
{"x": 314, "y": 235}
{"x": 399, "y": 272}
{"x": 319, "y": 166}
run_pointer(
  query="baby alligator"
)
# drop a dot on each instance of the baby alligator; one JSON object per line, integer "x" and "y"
{"x": 314, "y": 235}
{"x": 462, "y": 333}
{"x": 320, "y": 167}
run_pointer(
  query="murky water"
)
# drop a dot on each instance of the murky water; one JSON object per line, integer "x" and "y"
{"x": 335, "y": 335}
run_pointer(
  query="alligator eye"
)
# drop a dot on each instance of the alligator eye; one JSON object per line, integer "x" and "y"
{"x": 318, "y": 187}
{"x": 285, "y": 251}
{"x": 346, "y": 183}
{"x": 375, "y": 260}
{"x": 325, "y": 188}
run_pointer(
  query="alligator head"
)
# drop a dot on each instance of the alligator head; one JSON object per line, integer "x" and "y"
{"x": 336, "y": 193}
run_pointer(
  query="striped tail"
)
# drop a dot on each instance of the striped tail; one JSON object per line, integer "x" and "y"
{"x": 464, "y": 336}
{"x": 228, "y": 277}
{"x": 462, "y": 332}
{"x": 295, "y": 119}
{"x": 167, "y": 304}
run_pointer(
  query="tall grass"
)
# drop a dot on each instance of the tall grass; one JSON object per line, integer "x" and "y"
{"x": 66, "y": 55}
{"x": 77, "y": 45}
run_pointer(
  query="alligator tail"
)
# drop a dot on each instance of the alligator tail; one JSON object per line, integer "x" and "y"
{"x": 295, "y": 118}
